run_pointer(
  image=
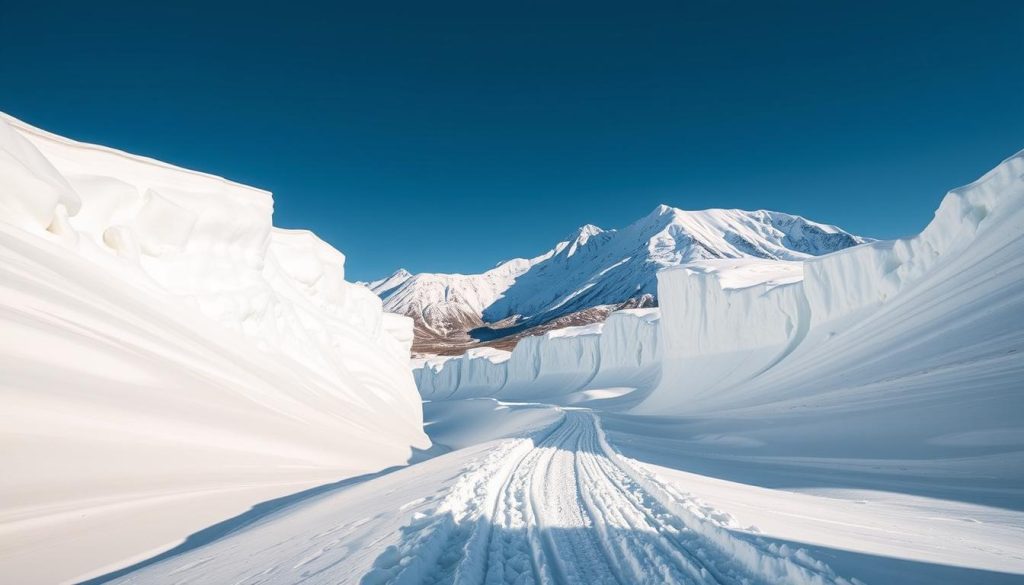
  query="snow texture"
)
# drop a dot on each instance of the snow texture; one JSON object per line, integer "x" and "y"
{"x": 947, "y": 302}
{"x": 162, "y": 341}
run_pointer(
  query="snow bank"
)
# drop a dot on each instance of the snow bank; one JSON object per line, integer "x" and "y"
{"x": 160, "y": 336}
{"x": 622, "y": 351}
{"x": 872, "y": 314}
{"x": 629, "y": 350}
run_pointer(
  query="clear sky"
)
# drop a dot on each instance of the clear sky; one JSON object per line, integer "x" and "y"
{"x": 447, "y": 137}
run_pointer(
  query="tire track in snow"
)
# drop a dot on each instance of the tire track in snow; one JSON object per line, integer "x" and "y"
{"x": 564, "y": 507}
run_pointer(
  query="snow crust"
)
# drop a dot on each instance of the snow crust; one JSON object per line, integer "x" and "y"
{"x": 160, "y": 338}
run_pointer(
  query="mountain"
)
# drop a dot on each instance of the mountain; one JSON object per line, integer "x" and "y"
{"x": 592, "y": 269}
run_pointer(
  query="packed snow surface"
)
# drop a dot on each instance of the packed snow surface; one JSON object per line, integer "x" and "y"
{"x": 169, "y": 358}
{"x": 556, "y": 505}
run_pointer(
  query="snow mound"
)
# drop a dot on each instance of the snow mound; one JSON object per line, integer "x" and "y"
{"x": 160, "y": 337}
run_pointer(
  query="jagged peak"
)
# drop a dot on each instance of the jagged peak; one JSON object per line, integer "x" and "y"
{"x": 584, "y": 233}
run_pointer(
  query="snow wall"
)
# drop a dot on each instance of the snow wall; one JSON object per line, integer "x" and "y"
{"x": 156, "y": 329}
{"x": 621, "y": 352}
{"x": 904, "y": 319}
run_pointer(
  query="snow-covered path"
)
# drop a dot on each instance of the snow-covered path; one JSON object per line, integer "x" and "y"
{"x": 533, "y": 493}
{"x": 565, "y": 507}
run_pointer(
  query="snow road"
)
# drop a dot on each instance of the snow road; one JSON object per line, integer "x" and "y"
{"x": 556, "y": 504}
{"x": 564, "y": 507}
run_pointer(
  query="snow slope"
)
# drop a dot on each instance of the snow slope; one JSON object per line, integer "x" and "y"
{"x": 169, "y": 357}
{"x": 595, "y": 267}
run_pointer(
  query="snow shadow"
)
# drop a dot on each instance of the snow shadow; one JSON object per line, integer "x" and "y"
{"x": 434, "y": 544}
{"x": 256, "y": 513}
{"x": 479, "y": 552}
{"x": 732, "y": 451}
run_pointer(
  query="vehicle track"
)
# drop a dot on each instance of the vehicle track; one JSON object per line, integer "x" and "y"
{"x": 564, "y": 507}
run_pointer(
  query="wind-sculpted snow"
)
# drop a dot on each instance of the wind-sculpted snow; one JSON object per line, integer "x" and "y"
{"x": 621, "y": 352}
{"x": 947, "y": 304}
{"x": 160, "y": 339}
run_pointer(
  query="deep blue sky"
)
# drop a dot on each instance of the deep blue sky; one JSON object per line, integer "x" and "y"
{"x": 448, "y": 137}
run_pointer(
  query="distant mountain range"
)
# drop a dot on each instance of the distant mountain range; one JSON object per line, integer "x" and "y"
{"x": 591, "y": 273}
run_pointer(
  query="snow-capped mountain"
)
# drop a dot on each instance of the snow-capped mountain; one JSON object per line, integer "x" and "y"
{"x": 595, "y": 267}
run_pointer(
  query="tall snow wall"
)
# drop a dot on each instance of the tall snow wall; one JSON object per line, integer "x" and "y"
{"x": 621, "y": 352}
{"x": 880, "y": 315}
{"x": 155, "y": 330}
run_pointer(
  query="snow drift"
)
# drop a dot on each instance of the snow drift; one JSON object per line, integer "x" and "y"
{"x": 160, "y": 339}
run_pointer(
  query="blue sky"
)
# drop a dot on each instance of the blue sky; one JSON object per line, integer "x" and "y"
{"x": 447, "y": 137}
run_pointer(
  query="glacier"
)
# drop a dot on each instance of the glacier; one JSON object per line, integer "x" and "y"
{"x": 165, "y": 344}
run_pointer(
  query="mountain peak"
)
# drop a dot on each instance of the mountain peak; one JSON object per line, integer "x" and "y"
{"x": 584, "y": 233}
{"x": 593, "y": 267}
{"x": 662, "y": 209}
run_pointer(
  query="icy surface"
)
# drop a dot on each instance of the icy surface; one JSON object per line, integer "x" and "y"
{"x": 168, "y": 357}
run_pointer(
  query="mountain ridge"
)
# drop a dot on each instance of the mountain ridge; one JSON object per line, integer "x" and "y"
{"x": 594, "y": 267}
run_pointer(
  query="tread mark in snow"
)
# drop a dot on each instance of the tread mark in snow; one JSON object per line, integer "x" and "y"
{"x": 564, "y": 507}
